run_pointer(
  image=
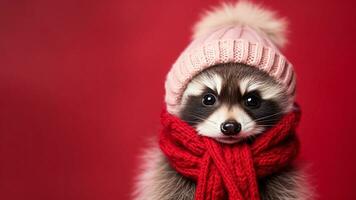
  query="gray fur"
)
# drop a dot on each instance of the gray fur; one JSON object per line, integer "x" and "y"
{"x": 159, "y": 181}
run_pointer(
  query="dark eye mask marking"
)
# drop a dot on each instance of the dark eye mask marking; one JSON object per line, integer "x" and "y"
{"x": 267, "y": 113}
{"x": 195, "y": 112}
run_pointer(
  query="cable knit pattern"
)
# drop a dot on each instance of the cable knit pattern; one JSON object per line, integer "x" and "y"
{"x": 224, "y": 171}
{"x": 239, "y": 44}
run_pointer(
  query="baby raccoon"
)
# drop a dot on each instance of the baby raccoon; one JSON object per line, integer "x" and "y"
{"x": 232, "y": 102}
{"x": 237, "y": 86}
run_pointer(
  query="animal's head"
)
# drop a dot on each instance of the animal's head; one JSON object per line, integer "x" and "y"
{"x": 232, "y": 82}
{"x": 231, "y": 102}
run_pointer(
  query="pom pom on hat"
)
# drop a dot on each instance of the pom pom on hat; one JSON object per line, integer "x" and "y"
{"x": 243, "y": 13}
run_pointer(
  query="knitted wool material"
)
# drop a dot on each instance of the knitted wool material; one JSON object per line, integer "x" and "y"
{"x": 232, "y": 44}
{"x": 224, "y": 171}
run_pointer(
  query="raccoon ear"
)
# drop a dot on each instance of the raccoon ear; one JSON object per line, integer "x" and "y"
{"x": 243, "y": 13}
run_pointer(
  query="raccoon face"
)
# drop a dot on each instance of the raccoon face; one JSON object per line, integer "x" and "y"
{"x": 232, "y": 102}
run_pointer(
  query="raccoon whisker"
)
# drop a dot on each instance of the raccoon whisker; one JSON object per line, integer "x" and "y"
{"x": 259, "y": 126}
{"x": 247, "y": 126}
{"x": 265, "y": 125}
{"x": 194, "y": 122}
{"x": 201, "y": 118}
{"x": 206, "y": 120}
{"x": 261, "y": 119}
{"x": 267, "y": 121}
{"x": 264, "y": 117}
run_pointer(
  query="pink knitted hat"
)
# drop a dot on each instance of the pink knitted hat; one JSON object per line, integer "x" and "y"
{"x": 241, "y": 33}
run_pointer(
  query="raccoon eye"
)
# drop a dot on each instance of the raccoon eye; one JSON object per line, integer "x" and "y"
{"x": 252, "y": 100}
{"x": 209, "y": 99}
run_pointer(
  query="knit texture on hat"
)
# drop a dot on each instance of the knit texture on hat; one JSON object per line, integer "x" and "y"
{"x": 228, "y": 171}
{"x": 239, "y": 42}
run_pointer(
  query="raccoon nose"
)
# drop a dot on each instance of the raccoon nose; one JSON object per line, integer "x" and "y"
{"x": 230, "y": 128}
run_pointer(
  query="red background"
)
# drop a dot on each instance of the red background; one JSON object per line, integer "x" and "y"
{"x": 81, "y": 88}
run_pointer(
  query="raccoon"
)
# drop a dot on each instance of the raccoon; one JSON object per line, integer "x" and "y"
{"x": 231, "y": 103}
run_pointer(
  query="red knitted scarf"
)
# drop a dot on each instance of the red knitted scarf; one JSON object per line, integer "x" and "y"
{"x": 224, "y": 171}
